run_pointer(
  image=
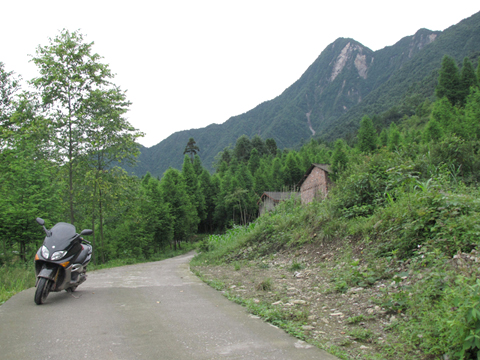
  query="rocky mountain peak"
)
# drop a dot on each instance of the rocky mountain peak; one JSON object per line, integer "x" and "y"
{"x": 348, "y": 52}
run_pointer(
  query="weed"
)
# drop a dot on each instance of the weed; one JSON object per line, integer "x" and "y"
{"x": 362, "y": 335}
{"x": 355, "y": 319}
{"x": 341, "y": 286}
{"x": 265, "y": 285}
{"x": 296, "y": 266}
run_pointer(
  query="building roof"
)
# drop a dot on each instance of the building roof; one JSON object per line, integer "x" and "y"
{"x": 324, "y": 167}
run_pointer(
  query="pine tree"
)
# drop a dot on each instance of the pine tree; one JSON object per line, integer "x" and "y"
{"x": 449, "y": 81}
{"x": 191, "y": 149}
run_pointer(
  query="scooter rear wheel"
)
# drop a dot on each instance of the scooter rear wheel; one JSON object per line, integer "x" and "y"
{"x": 43, "y": 289}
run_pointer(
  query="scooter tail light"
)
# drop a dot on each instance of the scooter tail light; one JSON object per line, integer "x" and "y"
{"x": 65, "y": 264}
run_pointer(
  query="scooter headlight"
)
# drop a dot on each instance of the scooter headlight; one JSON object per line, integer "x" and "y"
{"x": 45, "y": 252}
{"x": 58, "y": 255}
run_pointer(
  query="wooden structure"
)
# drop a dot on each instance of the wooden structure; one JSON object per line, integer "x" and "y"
{"x": 315, "y": 183}
{"x": 270, "y": 199}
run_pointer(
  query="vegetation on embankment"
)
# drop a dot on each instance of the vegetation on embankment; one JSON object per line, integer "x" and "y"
{"x": 403, "y": 224}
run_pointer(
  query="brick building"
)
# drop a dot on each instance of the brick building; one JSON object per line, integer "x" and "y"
{"x": 315, "y": 183}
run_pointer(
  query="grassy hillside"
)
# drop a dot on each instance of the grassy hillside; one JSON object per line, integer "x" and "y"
{"x": 412, "y": 256}
{"x": 386, "y": 267}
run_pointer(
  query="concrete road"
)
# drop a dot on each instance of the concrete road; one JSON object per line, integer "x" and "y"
{"x": 155, "y": 310}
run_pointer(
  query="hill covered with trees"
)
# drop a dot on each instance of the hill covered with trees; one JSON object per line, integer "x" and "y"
{"x": 346, "y": 82}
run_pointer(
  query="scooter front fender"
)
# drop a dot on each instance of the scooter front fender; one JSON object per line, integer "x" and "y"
{"x": 47, "y": 273}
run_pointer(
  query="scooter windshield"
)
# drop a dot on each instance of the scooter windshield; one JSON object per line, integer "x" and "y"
{"x": 62, "y": 235}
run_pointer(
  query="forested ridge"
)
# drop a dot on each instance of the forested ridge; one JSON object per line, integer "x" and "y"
{"x": 345, "y": 82}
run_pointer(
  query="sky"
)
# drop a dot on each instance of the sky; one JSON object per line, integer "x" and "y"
{"x": 186, "y": 64}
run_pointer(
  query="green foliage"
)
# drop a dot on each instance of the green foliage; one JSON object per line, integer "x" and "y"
{"x": 15, "y": 278}
{"x": 367, "y": 136}
{"x": 449, "y": 81}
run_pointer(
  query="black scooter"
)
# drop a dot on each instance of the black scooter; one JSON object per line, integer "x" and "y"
{"x": 60, "y": 264}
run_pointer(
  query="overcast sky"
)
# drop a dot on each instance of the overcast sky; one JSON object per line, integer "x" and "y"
{"x": 188, "y": 64}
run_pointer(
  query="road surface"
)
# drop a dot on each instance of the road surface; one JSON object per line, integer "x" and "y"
{"x": 156, "y": 310}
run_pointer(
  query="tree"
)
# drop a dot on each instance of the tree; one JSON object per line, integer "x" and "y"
{"x": 193, "y": 187}
{"x": 339, "y": 157}
{"x": 254, "y": 161}
{"x": 367, "y": 136}
{"x": 259, "y": 145}
{"x": 271, "y": 146}
{"x": 446, "y": 116}
{"x": 70, "y": 75}
{"x": 394, "y": 137}
{"x": 468, "y": 79}
{"x": 433, "y": 131}
{"x": 157, "y": 221}
{"x": 110, "y": 139}
{"x": 9, "y": 86}
{"x": 183, "y": 214}
{"x": 291, "y": 171}
{"x": 449, "y": 81}
{"x": 191, "y": 149}
{"x": 472, "y": 115}
{"x": 242, "y": 149}
{"x": 29, "y": 187}
{"x": 209, "y": 191}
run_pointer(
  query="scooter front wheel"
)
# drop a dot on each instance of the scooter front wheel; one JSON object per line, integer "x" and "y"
{"x": 43, "y": 289}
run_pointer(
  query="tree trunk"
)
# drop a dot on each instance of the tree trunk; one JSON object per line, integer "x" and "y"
{"x": 93, "y": 223}
{"x": 100, "y": 216}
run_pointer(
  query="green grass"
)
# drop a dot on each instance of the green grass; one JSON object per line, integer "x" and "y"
{"x": 14, "y": 279}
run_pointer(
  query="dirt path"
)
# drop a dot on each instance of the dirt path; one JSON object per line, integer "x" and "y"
{"x": 155, "y": 310}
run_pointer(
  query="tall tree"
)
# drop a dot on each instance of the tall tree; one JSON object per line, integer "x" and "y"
{"x": 9, "y": 86}
{"x": 394, "y": 137}
{"x": 191, "y": 149}
{"x": 468, "y": 79}
{"x": 110, "y": 139}
{"x": 242, "y": 149}
{"x": 271, "y": 146}
{"x": 367, "y": 136}
{"x": 69, "y": 75}
{"x": 193, "y": 187}
{"x": 472, "y": 115}
{"x": 449, "y": 81}
{"x": 339, "y": 157}
{"x": 292, "y": 173}
{"x": 182, "y": 211}
{"x": 259, "y": 145}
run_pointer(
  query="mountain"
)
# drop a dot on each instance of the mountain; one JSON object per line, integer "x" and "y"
{"x": 346, "y": 81}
